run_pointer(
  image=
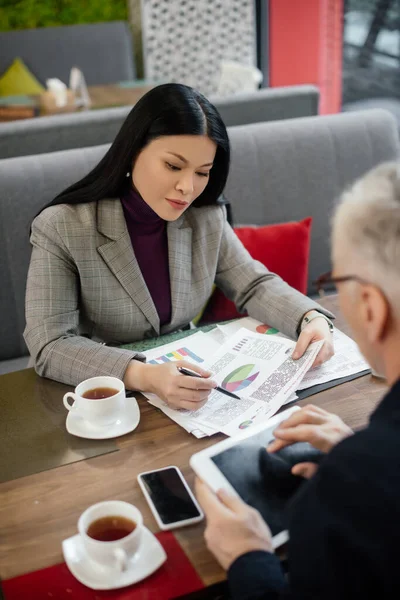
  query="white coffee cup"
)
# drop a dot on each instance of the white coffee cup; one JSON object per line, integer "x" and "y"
{"x": 104, "y": 411}
{"x": 116, "y": 554}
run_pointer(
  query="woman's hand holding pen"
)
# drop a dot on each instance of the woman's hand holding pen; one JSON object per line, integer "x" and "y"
{"x": 177, "y": 390}
{"x": 181, "y": 391}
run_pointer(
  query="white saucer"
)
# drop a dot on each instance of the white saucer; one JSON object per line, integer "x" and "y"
{"x": 150, "y": 557}
{"x": 127, "y": 422}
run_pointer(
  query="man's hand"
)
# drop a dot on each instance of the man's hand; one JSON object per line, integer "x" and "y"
{"x": 233, "y": 527}
{"x": 312, "y": 424}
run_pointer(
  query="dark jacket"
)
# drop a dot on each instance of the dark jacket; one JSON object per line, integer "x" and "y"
{"x": 344, "y": 524}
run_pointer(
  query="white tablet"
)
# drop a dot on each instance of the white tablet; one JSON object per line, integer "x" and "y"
{"x": 234, "y": 464}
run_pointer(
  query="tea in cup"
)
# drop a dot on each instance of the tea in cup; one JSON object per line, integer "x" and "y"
{"x": 111, "y": 533}
{"x": 98, "y": 400}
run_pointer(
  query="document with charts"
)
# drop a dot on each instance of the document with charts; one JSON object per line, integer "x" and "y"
{"x": 257, "y": 368}
{"x": 346, "y": 361}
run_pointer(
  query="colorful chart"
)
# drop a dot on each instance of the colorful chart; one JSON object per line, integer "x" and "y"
{"x": 245, "y": 424}
{"x": 266, "y": 329}
{"x": 240, "y": 378}
{"x": 181, "y": 354}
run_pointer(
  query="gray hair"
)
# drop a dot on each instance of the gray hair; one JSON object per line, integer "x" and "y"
{"x": 367, "y": 223}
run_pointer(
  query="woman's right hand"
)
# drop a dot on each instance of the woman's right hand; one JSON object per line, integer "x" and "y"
{"x": 177, "y": 390}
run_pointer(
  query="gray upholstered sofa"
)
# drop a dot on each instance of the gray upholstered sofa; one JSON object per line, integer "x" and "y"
{"x": 95, "y": 127}
{"x": 392, "y": 105}
{"x": 103, "y": 51}
{"x": 281, "y": 171}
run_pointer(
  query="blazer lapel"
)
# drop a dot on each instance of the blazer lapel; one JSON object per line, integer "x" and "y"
{"x": 120, "y": 258}
{"x": 180, "y": 268}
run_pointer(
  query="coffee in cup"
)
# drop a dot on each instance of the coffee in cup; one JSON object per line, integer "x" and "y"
{"x": 111, "y": 533}
{"x": 110, "y": 529}
{"x": 98, "y": 400}
{"x": 99, "y": 393}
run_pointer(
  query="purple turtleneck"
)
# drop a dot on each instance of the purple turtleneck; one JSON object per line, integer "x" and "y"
{"x": 148, "y": 233}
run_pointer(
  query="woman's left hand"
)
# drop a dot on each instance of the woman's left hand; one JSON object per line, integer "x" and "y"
{"x": 315, "y": 331}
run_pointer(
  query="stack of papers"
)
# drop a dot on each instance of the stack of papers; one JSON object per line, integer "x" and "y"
{"x": 257, "y": 368}
{"x": 254, "y": 362}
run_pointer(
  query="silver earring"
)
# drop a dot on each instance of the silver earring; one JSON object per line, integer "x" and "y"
{"x": 128, "y": 174}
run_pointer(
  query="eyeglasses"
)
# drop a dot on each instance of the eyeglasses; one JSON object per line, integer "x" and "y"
{"x": 326, "y": 281}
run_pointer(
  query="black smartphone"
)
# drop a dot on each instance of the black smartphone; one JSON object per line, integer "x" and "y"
{"x": 170, "y": 499}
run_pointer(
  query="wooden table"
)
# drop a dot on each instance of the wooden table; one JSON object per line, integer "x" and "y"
{"x": 38, "y": 511}
{"x": 101, "y": 96}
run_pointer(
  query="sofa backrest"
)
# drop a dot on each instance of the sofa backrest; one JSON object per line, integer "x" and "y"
{"x": 103, "y": 51}
{"x": 280, "y": 172}
{"x": 95, "y": 127}
{"x": 268, "y": 104}
{"x": 289, "y": 170}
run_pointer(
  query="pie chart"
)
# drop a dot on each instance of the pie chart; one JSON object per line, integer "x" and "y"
{"x": 266, "y": 329}
{"x": 240, "y": 378}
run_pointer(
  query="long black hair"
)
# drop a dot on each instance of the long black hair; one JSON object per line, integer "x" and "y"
{"x": 169, "y": 109}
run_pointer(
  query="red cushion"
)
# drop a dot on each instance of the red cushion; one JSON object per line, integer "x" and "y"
{"x": 284, "y": 249}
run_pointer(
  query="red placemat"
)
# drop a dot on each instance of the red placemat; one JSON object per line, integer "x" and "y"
{"x": 174, "y": 578}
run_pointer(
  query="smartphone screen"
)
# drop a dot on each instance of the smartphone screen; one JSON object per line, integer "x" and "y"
{"x": 169, "y": 496}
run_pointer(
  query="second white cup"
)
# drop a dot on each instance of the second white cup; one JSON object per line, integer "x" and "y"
{"x": 101, "y": 526}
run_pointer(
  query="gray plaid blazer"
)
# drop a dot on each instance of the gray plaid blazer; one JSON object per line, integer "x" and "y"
{"x": 85, "y": 288}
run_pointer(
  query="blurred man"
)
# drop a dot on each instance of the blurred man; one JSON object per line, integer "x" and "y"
{"x": 345, "y": 522}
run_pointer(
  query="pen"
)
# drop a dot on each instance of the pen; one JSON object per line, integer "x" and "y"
{"x": 185, "y": 371}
